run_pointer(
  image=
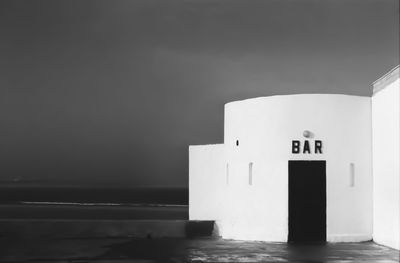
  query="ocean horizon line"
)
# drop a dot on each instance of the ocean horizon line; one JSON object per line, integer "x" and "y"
{"x": 98, "y": 204}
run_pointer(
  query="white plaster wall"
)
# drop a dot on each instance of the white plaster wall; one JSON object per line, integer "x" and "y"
{"x": 206, "y": 181}
{"x": 386, "y": 144}
{"x": 265, "y": 128}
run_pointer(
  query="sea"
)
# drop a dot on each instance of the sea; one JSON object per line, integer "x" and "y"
{"x": 111, "y": 203}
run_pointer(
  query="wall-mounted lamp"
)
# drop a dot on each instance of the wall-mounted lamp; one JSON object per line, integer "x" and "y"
{"x": 308, "y": 134}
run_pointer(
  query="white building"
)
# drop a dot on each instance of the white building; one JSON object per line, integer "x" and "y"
{"x": 310, "y": 167}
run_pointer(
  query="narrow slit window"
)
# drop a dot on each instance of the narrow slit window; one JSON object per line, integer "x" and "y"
{"x": 237, "y": 142}
{"x": 352, "y": 175}
{"x": 227, "y": 174}
{"x": 250, "y": 173}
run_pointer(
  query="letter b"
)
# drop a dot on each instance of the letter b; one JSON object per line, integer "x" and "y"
{"x": 295, "y": 146}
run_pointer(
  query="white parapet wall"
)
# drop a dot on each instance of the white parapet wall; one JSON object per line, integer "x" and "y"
{"x": 386, "y": 148}
{"x": 206, "y": 181}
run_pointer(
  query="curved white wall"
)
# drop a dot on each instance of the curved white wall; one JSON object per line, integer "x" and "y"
{"x": 265, "y": 128}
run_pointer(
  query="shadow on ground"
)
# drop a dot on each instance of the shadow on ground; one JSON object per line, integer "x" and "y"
{"x": 185, "y": 250}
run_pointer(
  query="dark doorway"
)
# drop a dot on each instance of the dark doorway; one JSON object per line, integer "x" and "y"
{"x": 307, "y": 201}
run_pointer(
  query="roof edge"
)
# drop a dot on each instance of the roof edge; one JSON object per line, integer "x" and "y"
{"x": 293, "y": 95}
{"x": 385, "y": 80}
{"x": 206, "y": 145}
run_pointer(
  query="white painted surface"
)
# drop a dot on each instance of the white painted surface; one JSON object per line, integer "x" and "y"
{"x": 386, "y": 146}
{"x": 265, "y": 128}
{"x": 206, "y": 180}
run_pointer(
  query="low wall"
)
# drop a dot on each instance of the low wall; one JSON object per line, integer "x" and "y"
{"x": 52, "y": 228}
{"x": 206, "y": 180}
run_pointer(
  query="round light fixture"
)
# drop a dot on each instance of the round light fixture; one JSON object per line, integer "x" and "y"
{"x": 307, "y": 134}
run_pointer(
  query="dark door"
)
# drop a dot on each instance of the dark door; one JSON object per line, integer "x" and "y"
{"x": 307, "y": 201}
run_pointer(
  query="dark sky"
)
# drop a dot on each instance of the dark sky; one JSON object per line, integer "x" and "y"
{"x": 113, "y": 92}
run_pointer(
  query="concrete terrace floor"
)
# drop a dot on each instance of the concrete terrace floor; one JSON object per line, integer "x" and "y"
{"x": 185, "y": 250}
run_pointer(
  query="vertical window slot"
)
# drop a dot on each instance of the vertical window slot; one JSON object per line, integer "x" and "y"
{"x": 352, "y": 175}
{"x": 250, "y": 173}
